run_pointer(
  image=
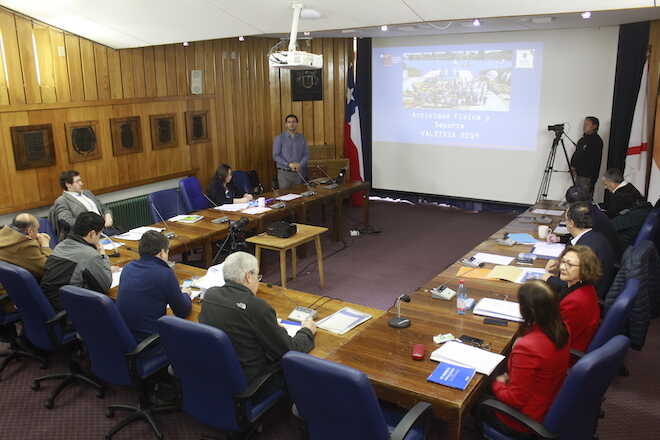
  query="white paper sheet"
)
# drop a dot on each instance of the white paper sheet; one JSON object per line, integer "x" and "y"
{"x": 136, "y": 234}
{"x": 213, "y": 278}
{"x": 115, "y": 279}
{"x": 109, "y": 245}
{"x": 289, "y": 197}
{"x": 462, "y": 354}
{"x": 552, "y": 250}
{"x": 498, "y": 308}
{"x": 256, "y": 210}
{"x": 493, "y": 258}
{"x": 233, "y": 207}
{"x": 343, "y": 320}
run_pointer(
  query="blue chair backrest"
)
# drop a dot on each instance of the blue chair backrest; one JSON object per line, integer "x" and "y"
{"x": 336, "y": 401}
{"x": 47, "y": 228}
{"x": 33, "y": 305}
{"x": 167, "y": 203}
{"x": 204, "y": 360}
{"x": 105, "y": 333}
{"x": 241, "y": 181}
{"x": 650, "y": 229}
{"x": 576, "y": 409}
{"x": 192, "y": 195}
{"x": 615, "y": 318}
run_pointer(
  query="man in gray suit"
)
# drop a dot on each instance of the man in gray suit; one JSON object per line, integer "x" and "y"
{"x": 73, "y": 202}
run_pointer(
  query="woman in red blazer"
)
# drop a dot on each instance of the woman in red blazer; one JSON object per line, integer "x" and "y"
{"x": 538, "y": 361}
{"x": 579, "y": 268}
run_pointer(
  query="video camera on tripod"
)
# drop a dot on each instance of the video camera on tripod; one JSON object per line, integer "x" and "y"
{"x": 559, "y": 130}
{"x": 235, "y": 239}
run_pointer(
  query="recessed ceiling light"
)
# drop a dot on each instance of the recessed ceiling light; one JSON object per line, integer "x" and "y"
{"x": 310, "y": 14}
{"x": 307, "y": 34}
{"x": 383, "y": 28}
{"x": 476, "y": 22}
{"x": 186, "y": 44}
{"x": 241, "y": 38}
{"x": 586, "y": 15}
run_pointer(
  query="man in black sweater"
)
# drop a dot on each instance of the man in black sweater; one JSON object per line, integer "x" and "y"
{"x": 249, "y": 321}
{"x": 624, "y": 195}
{"x": 585, "y": 162}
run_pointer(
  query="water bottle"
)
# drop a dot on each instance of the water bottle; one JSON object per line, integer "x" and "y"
{"x": 461, "y": 297}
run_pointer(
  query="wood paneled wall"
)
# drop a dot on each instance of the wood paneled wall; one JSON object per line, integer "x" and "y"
{"x": 50, "y": 76}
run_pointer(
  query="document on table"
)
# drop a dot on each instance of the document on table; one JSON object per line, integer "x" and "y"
{"x": 214, "y": 277}
{"x": 522, "y": 238}
{"x": 183, "y": 218}
{"x": 256, "y": 210}
{"x": 288, "y": 197}
{"x": 136, "y": 234}
{"x": 473, "y": 272}
{"x": 516, "y": 274}
{"x": 115, "y": 278}
{"x": 109, "y": 245}
{"x": 291, "y": 327}
{"x": 483, "y": 257}
{"x": 498, "y": 308}
{"x": 467, "y": 356}
{"x": 343, "y": 320}
{"x": 548, "y": 250}
{"x": 556, "y": 212}
{"x": 233, "y": 207}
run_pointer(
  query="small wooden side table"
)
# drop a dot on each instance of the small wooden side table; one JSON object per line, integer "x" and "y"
{"x": 306, "y": 233}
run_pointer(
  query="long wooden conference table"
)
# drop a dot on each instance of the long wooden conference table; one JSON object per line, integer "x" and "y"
{"x": 382, "y": 352}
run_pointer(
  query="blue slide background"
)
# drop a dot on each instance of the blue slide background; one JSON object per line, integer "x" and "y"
{"x": 515, "y": 129}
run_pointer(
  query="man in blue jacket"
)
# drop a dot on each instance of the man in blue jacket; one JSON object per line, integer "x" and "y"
{"x": 147, "y": 286}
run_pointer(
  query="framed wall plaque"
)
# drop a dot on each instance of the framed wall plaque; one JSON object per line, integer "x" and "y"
{"x": 163, "y": 131}
{"x": 33, "y": 146}
{"x": 83, "y": 142}
{"x": 307, "y": 85}
{"x": 197, "y": 127}
{"x": 126, "y": 135}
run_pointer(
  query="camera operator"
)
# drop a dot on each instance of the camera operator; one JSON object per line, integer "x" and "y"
{"x": 585, "y": 162}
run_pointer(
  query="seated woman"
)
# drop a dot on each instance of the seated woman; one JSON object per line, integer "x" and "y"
{"x": 221, "y": 190}
{"x": 538, "y": 361}
{"x": 580, "y": 269}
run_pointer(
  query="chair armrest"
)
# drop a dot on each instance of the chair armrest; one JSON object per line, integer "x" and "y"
{"x": 59, "y": 318}
{"x": 132, "y": 357}
{"x": 411, "y": 417}
{"x": 532, "y": 424}
{"x": 55, "y": 319}
{"x": 577, "y": 354}
{"x": 257, "y": 384}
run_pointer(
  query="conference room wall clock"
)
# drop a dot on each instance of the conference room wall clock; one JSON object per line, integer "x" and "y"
{"x": 197, "y": 127}
{"x": 163, "y": 131}
{"x": 83, "y": 142}
{"x": 126, "y": 135}
{"x": 33, "y": 146}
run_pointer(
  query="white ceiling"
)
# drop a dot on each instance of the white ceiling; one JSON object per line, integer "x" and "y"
{"x": 135, "y": 23}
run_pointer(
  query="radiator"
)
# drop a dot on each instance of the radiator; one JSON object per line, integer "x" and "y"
{"x": 130, "y": 213}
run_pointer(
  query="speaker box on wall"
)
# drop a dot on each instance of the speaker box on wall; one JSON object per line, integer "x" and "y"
{"x": 196, "y": 82}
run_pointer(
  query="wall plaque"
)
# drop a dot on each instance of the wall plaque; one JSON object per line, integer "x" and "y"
{"x": 33, "y": 146}
{"x": 307, "y": 85}
{"x": 82, "y": 141}
{"x": 126, "y": 135}
{"x": 163, "y": 131}
{"x": 197, "y": 127}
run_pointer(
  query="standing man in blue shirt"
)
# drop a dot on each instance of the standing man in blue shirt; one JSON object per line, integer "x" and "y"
{"x": 148, "y": 285}
{"x": 290, "y": 153}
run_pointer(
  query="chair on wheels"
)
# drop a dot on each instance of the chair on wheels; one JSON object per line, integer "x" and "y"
{"x": 650, "y": 229}
{"x": 575, "y": 411}
{"x": 115, "y": 356}
{"x": 192, "y": 195}
{"x": 215, "y": 391}
{"x": 165, "y": 204}
{"x": 44, "y": 329}
{"x": 342, "y": 404}
{"x": 8, "y": 335}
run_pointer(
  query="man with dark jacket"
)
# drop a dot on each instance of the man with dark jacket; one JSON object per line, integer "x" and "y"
{"x": 585, "y": 162}
{"x": 147, "y": 286}
{"x": 623, "y": 195}
{"x": 79, "y": 260}
{"x": 249, "y": 321}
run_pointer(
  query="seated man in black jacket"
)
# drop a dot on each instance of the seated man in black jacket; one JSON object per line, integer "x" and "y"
{"x": 250, "y": 322}
{"x": 624, "y": 195}
{"x": 579, "y": 224}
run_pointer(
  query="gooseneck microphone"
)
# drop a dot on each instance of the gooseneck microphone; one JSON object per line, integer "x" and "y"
{"x": 209, "y": 199}
{"x": 169, "y": 234}
{"x": 115, "y": 252}
{"x": 399, "y": 321}
{"x": 331, "y": 184}
{"x": 309, "y": 184}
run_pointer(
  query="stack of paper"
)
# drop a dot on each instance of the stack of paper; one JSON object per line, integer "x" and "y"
{"x": 483, "y": 257}
{"x": 522, "y": 238}
{"x": 556, "y": 212}
{"x": 288, "y": 197}
{"x": 343, "y": 320}
{"x": 548, "y": 250}
{"x": 213, "y": 277}
{"x": 256, "y": 210}
{"x": 465, "y": 355}
{"x": 497, "y": 308}
{"x": 515, "y": 274}
{"x": 136, "y": 234}
{"x": 115, "y": 279}
{"x": 233, "y": 207}
{"x": 193, "y": 218}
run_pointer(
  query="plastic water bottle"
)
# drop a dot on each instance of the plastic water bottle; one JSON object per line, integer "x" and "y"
{"x": 461, "y": 297}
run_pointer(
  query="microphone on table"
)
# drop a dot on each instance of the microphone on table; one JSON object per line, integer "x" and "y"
{"x": 399, "y": 321}
{"x": 209, "y": 199}
{"x": 169, "y": 234}
{"x": 309, "y": 191}
{"x": 332, "y": 184}
{"x": 115, "y": 252}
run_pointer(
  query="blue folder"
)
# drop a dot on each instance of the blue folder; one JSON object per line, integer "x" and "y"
{"x": 451, "y": 375}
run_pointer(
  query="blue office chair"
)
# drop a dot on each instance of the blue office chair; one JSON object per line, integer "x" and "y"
{"x": 47, "y": 228}
{"x": 8, "y": 335}
{"x": 575, "y": 411}
{"x": 167, "y": 203}
{"x": 215, "y": 391}
{"x": 192, "y": 195}
{"x": 241, "y": 181}
{"x": 43, "y": 328}
{"x": 342, "y": 404}
{"x": 115, "y": 356}
{"x": 650, "y": 229}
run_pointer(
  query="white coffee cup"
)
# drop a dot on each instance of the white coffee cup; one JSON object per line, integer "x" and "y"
{"x": 544, "y": 231}
{"x": 261, "y": 201}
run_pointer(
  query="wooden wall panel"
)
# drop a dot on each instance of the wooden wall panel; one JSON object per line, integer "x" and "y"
{"x": 46, "y": 68}
{"x": 13, "y": 59}
{"x": 60, "y": 67}
{"x": 170, "y": 69}
{"x": 138, "y": 72}
{"x": 161, "y": 73}
{"x": 88, "y": 70}
{"x": 149, "y": 72}
{"x": 28, "y": 64}
{"x": 72, "y": 44}
{"x": 127, "y": 75}
{"x": 114, "y": 73}
{"x": 102, "y": 74}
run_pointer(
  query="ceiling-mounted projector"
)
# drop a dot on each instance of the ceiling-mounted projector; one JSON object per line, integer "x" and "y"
{"x": 293, "y": 59}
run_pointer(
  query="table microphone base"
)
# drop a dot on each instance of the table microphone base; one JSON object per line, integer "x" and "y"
{"x": 399, "y": 322}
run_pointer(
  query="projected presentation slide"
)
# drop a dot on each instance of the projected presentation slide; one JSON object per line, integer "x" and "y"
{"x": 480, "y": 95}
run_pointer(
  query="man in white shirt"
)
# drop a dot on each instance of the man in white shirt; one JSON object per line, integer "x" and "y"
{"x": 74, "y": 201}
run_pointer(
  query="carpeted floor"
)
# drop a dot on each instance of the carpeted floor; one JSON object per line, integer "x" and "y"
{"x": 415, "y": 244}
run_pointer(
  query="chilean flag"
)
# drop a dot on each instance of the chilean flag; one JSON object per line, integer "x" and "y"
{"x": 353, "y": 136}
{"x": 637, "y": 155}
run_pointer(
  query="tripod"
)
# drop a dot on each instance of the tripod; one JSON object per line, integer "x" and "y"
{"x": 549, "y": 166}
{"x": 236, "y": 240}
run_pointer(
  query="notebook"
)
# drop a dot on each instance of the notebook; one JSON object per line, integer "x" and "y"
{"x": 464, "y": 355}
{"x": 454, "y": 376}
